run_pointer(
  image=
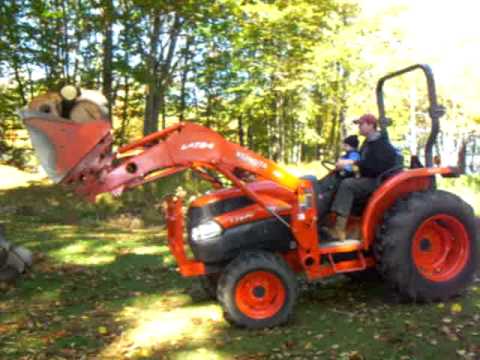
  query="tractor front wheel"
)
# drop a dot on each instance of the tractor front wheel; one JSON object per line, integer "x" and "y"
{"x": 257, "y": 290}
{"x": 427, "y": 248}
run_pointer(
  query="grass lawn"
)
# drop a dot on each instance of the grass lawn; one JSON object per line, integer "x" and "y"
{"x": 104, "y": 286}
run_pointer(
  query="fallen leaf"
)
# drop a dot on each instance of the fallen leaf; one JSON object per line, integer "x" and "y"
{"x": 102, "y": 330}
{"x": 456, "y": 308}
{"x": 461, "y": 352}
{"x": 355, "y": 355}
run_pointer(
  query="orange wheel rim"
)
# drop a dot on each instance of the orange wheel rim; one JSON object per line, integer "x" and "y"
{"x": 441, "y": 248}
{"x": 260, "y": 294}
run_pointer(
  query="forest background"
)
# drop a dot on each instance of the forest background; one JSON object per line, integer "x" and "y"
{"x": 282, "y": 78}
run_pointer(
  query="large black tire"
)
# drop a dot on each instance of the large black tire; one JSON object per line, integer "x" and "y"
{"x": 257, "y": 290}
{"x": 427, "y": 246}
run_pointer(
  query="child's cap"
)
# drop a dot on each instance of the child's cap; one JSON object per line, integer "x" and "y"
{"x": 351, "y": 140}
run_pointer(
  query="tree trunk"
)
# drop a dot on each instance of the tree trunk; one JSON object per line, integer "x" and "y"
{"x": 20, "y": 85}
{"x": 333, "y": 131}
{"x": 275, "y": 134}
{"x": 65, "y": 47}
{"x": 208, "y": 110}
{"x": 160, "y": 68}
{"x": 183, "y": 89}
{"x": 164, "y": 112}
{"x": 240, "y": 131}
{"x": 108, "y": 15}
{"x": 125, "y": 117}
{"x": 151, "y": 119}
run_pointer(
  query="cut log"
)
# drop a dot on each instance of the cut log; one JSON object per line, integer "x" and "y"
{"x": 86, "y": 110}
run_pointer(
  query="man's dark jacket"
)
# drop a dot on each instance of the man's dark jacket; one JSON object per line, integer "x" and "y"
{"x": 376, "y": 156}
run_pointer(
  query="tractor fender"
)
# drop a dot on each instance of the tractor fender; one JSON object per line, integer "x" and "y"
{"x": 396, "y": 187}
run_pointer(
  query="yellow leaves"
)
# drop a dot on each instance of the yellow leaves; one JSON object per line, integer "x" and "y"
{"x": 456, "y": 308}
{"x": 264, "y": 11}
{"x": 102, "y": 330}
{"x": 461, "y": 352}
{"x": 144, "y": 352}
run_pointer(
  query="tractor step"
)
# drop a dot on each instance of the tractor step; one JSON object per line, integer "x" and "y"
{"x": 346, "y": 246}
{"x": 344, "y": 256}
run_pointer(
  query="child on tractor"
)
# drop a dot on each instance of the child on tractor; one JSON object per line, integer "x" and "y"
{"x": 326, "y": 187}
{"x": 350, "y": 145}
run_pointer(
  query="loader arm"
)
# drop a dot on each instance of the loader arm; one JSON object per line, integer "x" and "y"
{"x": 179, "y": 147}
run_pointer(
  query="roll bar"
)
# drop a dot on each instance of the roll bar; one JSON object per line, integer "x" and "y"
{"x": 435, "y": 110}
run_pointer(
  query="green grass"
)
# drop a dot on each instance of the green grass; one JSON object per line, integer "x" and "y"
{"x": 104, "y": 286}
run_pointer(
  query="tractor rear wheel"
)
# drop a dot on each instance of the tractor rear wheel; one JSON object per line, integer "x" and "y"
{"x": 427, "y": 246}
{"x": 257, "y": 290}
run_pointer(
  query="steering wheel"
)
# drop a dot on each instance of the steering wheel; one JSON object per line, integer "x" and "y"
{"x": 328, "y": 164}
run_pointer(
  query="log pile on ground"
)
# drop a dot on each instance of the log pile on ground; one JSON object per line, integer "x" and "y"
{"x": 14, "y": 260}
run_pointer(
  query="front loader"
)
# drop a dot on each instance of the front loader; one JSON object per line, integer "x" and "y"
{"x": 249, "y": 241}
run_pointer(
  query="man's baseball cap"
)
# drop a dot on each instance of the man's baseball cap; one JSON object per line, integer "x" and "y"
{"x": 367, "y": 118}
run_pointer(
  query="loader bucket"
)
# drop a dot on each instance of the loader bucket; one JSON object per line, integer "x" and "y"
{"x": 61, "y": 144}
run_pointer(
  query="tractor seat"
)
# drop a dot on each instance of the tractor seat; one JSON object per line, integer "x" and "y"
{"x": 360, "y": 203}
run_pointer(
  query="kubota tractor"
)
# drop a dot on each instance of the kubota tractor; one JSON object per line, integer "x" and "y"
{"x": 249, "y": 241}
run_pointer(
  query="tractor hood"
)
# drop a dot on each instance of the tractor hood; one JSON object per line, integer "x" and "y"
{"x": 60, "y": 144}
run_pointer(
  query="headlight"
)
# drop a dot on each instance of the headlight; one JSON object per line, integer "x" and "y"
{"x": 206, "y": 231}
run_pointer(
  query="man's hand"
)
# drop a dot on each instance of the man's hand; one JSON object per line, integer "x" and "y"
{"x": 342, "y": 163}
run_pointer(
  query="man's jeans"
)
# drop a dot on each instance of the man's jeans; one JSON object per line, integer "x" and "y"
{"x": 350, "y": 189}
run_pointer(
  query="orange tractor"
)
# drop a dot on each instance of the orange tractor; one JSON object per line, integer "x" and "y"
{"x": 251, "y": 239}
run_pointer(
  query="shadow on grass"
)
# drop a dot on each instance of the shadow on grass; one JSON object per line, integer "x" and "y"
{"x": 63, "y": 308}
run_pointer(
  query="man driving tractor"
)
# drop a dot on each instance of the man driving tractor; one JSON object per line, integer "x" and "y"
{"x": 377, "y": 155}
